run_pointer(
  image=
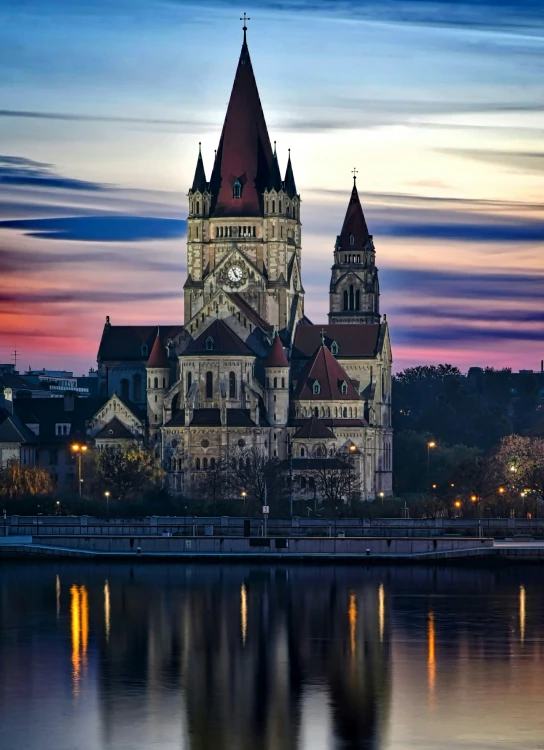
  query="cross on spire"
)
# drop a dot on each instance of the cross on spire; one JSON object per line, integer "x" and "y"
{"x": 355, "y": 172}
{"x": 322, "y": 337}
{"x": 245, "y": 19}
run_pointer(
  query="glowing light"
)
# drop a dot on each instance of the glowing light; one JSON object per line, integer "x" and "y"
{"x": 352, "y": 616}
{"x": 381, "y": 610}
{"x": 243, "y": 612}
{"x": 431, "y": 656}
{"x": 79, "y": 612}
{"x": 107, "y": 610}
{"x": 432, "y": 444}
{"x": 522, "y": 614}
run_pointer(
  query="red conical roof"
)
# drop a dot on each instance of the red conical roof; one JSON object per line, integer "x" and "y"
{"x": 276, "y": 355}
{"x": 330, "y": 374}
{"x": 244, "y": 152}
{"x": 354, "y": 224}
{"x": 158, "y": 357}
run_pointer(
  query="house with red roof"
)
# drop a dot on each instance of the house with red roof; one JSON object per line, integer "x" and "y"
{"x": 247, "y": 369}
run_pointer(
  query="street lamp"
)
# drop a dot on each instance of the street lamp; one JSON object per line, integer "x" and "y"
{"x": 244, "y": 495}
{"x": 457, "y": 505}
{"x": 79, "y": 449}
{"x": 107, "y": 496}
{"x": 352, "y": 449}
{"x": 430, "y": 444}
{"x": 382, "y": 495}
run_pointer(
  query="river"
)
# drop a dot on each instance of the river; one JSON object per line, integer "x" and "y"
{"x": 241, "y": 657}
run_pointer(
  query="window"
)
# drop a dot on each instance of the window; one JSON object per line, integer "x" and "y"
{"x": 351, "y": 297}
{"x": 345, "y": 299}
{"x": 232, "y": 385}
{"x": 302, "y": 452}
{"x": 275, "y": 382}
{"x": 205, "y": 464}
{"x": 198, "y": 211}
{"x": 311, "y": 482}
{"x": 125, "y": 388}
{"x": 345, "y": 413}
{"x": 316, "y": 388}
{"x": 343, "y": 388}
{"x": 316, "y": 413}
{"x": 189, "y": 380}
{"x": 283, "y": 382}
{"x": 196, "y": 232}
{"x": 279, "y": 207}
{"x": 197, "y": 464}
{"x": 351, "y": 240}
{"x": 212, "y": 463}
{"x": 145, "y": 350}
{"x": 237, "y": 189}
{"x": 281, "y": 231}
{"x": 155, "y": 382}
{"x": 209, "y": 344}
{"x": 334, "y": 348}
{"x": 164, "y": 382}
{"x": 357, "y": 300}
{"x": 209, "y": 384}
{"x": 137, "y": 387}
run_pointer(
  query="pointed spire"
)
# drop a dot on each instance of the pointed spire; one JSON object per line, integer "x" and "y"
{"x": 276, "y": 355}
{"x": 274, "y": 181}
{"x": 244, "y": 152}
{"x": 158, "y": 358}
{"x": 354, "y": 224}
{"x": 290, "y": 187}
{"x": 199, "y": 182}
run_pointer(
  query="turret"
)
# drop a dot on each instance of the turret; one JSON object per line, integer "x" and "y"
{"x": 158, "y": 382}
{"x": 277, "y": 384}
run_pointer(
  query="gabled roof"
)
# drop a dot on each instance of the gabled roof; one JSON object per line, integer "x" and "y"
{"x": 199, "y": 181}
{"x": 289, "y": 182}
{"x": 48, "y": 412}
{"x": 252, "y": 314}
{"x": 314, "y": 428}
{"x": 224, "y": 341}
{"x": 354, "y": 224}
{"x": 115, "y": 429}
{"x": 330, "y": 375}
{"x": 353, "y": 340}
{"x": 158, "y": 357}
{"x": 127, "y": 342}
{"x": 244, "y": 151}
{"x": 12, "y": 430}
{"x": 276, "y": 355}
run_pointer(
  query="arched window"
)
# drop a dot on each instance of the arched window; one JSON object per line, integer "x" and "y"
{"x": 197, "y": 464}
{"x": 283, "y": 382}
{"x": 351, "y": 240}
{"x": 212, "y": 463}
{"x": 237, "y": 189}
{"x": 209, "y": 384}
{"x": 205, "y": 464}
{"x": 232, "y": 385}
{"x": 334, "y": 348}
{"x": 144, "y": 349}
{"x": 273, "y": 207}
{"x": 316, "y": 388}
{"x": 189, "y": 380}
{"x": 357, "y": 299}
{"x": 345, "y": 299}
{"x": 275, "y": 382}
{"x": 209, "y": 344}
{"x": 279, "y": 207}
{"x": 164, "y": 382}
{"x": 311, "y": 482}
{"x": 197, "y": 210}
{"x": 351, "y": 297}
{"x": 343, "y": 388}
{"x": 316, "y": 412}
{"x": 155, "y": 382}
{"x": 137, "y": 387}
{"x": 124, "y": 388}
{"x": 345, "y": 413}
{"x": 302, "y": 452}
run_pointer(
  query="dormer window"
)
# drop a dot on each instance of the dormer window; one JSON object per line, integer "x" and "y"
{"x": 316, "y": 388}
{"x": 343, "y": 388}
{"x": 145, "y": 350}
{"x": 209, "y": 344}
{"x": 237, "y": 189}
{"x": 334, "y": 348}
{"x": 351, "y": 240}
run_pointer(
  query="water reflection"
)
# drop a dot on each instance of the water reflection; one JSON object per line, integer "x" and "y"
{"x": 300, "y": 658}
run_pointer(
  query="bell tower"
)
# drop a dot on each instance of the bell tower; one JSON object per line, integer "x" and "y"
{"x": 354, "y": 295}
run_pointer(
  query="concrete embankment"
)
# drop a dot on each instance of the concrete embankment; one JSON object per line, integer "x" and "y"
{"x": 252, "y": 548}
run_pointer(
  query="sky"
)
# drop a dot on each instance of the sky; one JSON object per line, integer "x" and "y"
{"x": 439, "y": 106}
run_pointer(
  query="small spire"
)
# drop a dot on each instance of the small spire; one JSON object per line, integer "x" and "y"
{"x": 354, "y": 172}
{"x": 275, "y": 148}
{"x": 289, "y": 180}
{"x": 245, "y": 19}
{"x": 199, "y": 148}
{"x": 322, "y": 337}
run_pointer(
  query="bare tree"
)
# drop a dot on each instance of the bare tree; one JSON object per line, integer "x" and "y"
{"x": 336, "y": 479}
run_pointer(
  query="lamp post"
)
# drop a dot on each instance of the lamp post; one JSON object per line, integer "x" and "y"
{"x": 352, "y": 449}
{"x": 382, "y": 495}
{"x": 430, "y": 444}
{"x": 107, "y": 496}
{"x": 79, "y": 450}
{"x": 244, "y": 495}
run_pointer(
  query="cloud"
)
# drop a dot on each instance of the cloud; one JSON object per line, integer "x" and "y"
{"x": 18, "y": 261}
{"x": 462, "y": 334}
{"x": 101, "y": 228}
{"x": 518, "y": 160}
{"x": 81, "y": 117}
{"x": 472, "y": 315}
{"x": 58, "y": 296}
{"x": 19, "y": 171}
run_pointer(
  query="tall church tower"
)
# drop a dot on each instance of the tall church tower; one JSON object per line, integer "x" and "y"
{"x": 354, "y": 292}
{"x": 243, "y": 229}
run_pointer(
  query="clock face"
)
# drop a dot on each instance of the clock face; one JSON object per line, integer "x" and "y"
{"x": 235, "y": 274}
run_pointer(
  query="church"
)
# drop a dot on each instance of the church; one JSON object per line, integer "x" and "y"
{"x": 248, "y": 369}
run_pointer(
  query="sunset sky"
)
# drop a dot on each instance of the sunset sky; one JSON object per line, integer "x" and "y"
{"x": 439, "y": 105}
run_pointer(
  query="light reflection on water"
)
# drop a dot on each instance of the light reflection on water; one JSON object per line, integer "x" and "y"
{"x": 296, "y": 658}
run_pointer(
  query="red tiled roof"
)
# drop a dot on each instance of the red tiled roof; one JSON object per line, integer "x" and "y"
{"x": 158, "y": 356}
{"x": 276, "y": 355}
{"x": 353, "y": 339}
{"x": 354, "y": 224}
{"x": 244, "y": 151}
{"x": 330, "y": 374}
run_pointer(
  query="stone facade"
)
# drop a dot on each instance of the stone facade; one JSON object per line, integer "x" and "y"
{"x": 248, "y": 369}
